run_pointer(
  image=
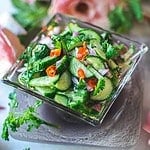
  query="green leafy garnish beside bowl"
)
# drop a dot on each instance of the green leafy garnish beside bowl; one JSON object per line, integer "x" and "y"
{"x": 15, "y": 120}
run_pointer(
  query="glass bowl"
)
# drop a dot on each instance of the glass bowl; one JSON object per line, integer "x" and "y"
{"x": 11, "y": 78}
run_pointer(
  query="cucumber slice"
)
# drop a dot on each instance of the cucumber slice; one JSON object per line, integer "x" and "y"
{"x": 61, "y": 99}
{"x": 64, "y": 81}
{"x": 73, "y": 52}
{"x": 105, "y": 93}
{"x": 74, "y": 27}
{"x": 95, "y": 62}
{"x": 77, "y": 98}
{"x": 40, "y": 51}
{"x": 62, "y": 64}
{"x": 43, "y": 81}
{"x": 95, "y": 44}
{"x": 95, "y": 72}
{"x": 90, "y": 34}
{"x": 46, "y": 91}
{"x": 42, "y": 64}
{"x": 74, "y": 44}
{"x": 75, "y": 65}
{"x": 23, "y": 78}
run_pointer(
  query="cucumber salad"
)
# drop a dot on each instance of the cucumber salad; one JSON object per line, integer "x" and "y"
{"x": 75, "y": 66}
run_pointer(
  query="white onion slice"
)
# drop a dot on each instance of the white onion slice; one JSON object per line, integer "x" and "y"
{"x": 103, "y": 71}
{"x": 47, "y": 41}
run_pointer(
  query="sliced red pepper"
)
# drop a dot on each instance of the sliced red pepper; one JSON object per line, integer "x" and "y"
{"x": 55, "y": 53}
{"x": 82, "y": 52}
{"x": 51, "y": 71}
{"x": 81, "y": 74}
{"x": 92, "y": 83}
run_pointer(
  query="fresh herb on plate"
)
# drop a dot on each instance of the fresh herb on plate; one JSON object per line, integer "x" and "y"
{"x": 13, "y": 100}
{"x": 29, "y": 117}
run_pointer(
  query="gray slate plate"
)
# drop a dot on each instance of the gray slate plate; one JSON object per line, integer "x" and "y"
{"x": 121, "y": 127}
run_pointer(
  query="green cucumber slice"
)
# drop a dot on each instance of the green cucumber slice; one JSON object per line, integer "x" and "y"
{"x": 74, "y": 27}
{"x": 62, "y": 64}
{"x": 95, "y": 72}
{"x": 95, "y": 62}
{"x": 90, "y": 34}
{"x": 44, "y": 81}
{"x": 46, "y": 91}
{"x": 42, "y": 64}
{"x": 64, "y": 81}
{"x": 105, "y": 93}
{"x": 95, "y": 44}
{"x": 75, "y": 65}
{"x": 61, "y": 99}
{"x": 23, "y": 78}
{"x": 40, "y": 51}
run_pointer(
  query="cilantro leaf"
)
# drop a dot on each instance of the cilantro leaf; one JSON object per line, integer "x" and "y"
{"x": 111, "y": 52}
{"x": 81, "y": 85}
{"x": 13, "y": 100}
{"x": 109, "y": 49}
{"x": 100, "y": 86}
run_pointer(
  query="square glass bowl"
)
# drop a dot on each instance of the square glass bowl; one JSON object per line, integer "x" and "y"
{"x": 11, "y": 78}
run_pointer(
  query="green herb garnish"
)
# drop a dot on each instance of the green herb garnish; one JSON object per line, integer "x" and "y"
{"x": 15, "y": 120}
{"x": 13, "y": 100}
{"x": 100, "y": 86}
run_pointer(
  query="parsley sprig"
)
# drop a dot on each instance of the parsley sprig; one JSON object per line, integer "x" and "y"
{"x": 29, "y": 117}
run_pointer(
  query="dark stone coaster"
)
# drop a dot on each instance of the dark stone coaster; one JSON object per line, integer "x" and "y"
{"x": 121, "y": 127}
